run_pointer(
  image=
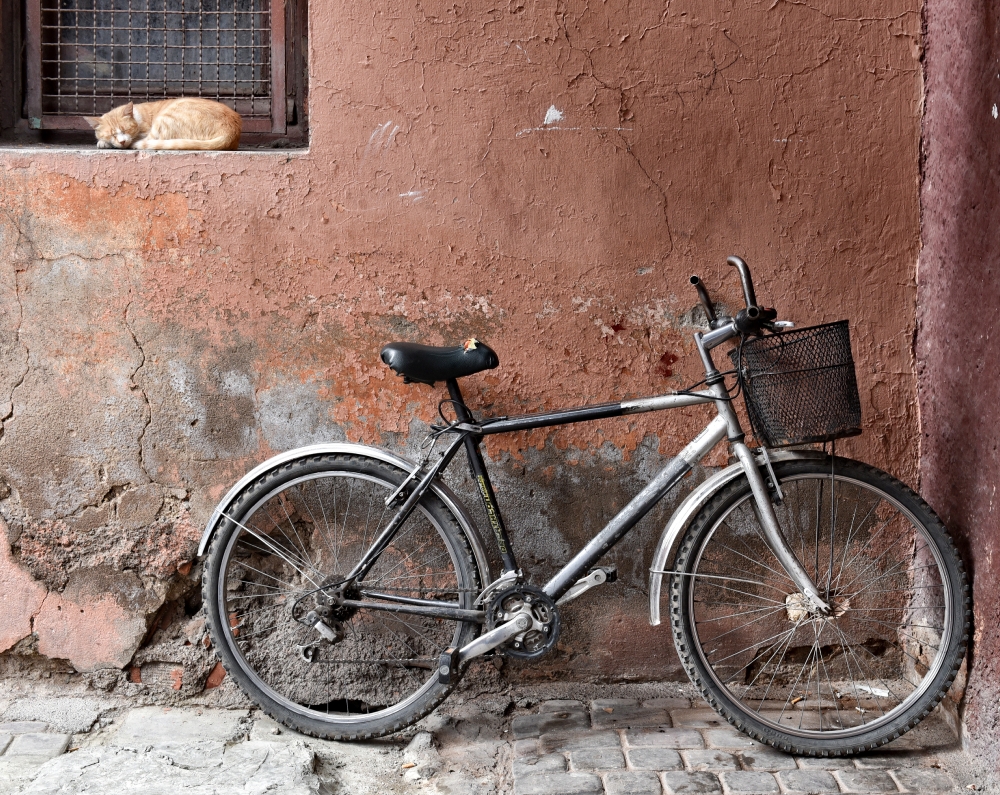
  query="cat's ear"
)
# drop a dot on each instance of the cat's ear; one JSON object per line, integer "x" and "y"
{"x": 129, "y": 110}
{"x": 93, "y": 121}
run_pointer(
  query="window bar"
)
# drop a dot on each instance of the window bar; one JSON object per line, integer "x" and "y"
{"x": 33, "y": 67}
{"x": 278, "y": 100}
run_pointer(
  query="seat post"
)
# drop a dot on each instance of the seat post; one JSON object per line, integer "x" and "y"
{"x": 482, "y": 480}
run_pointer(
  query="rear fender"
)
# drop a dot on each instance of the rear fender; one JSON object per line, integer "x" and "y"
{"x": 670, "y": 540}
{"x": 446, "y": 495}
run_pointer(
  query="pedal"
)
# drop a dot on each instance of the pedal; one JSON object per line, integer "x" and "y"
{"x": 596, "y": 577}
{"x": 448, "y": 666}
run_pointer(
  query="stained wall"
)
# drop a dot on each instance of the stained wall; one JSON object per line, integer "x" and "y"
{"x": 542, "y": 175}
{"x": 957, "y": 342}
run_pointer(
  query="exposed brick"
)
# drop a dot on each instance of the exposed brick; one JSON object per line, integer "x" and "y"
{"x": 865, "y": 781}
{"x": 664, "y": 738}
{"x": 678, "y": 783}
{"x": 808, "y": 781}
{"x": 917, "y": 779}
{"x": 667, "y": 703}
{"x": 655, "y": 759}
{"x": 591, "y": 759}
{"x": 629, "y": 782}
{"x": 894, "y": 759}
{"x": 558, "y": 784}
{"x": 746, "y": 781}
{"x": 710, "y": 760}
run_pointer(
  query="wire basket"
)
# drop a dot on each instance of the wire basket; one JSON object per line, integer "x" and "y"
{"x": 800, "y": 385}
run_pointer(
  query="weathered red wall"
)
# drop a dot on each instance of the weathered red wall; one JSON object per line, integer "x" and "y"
{"x": 957, "y": 342}
{"x": 167, "y": 320}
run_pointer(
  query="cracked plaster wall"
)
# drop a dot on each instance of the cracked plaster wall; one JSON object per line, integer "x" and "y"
{"x": 542, "y": 175}
{"x": 957, "y": 334}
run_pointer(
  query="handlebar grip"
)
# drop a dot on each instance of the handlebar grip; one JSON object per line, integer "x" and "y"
{"x": 705, "y": 300}
{"x": 748, "y": 293}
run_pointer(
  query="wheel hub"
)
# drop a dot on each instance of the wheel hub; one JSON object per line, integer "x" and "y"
{"x": 799, "y": 607}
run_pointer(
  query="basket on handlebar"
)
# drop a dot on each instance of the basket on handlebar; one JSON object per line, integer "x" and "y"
{"x": 800, "y": 386}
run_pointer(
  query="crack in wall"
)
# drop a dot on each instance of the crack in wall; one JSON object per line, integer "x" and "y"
{"x": 135, "y": 387}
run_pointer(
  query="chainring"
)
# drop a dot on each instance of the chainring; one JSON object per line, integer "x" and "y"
{"x": 544, "y": 631}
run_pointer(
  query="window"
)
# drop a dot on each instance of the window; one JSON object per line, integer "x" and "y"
{"x": 84, "y": 57}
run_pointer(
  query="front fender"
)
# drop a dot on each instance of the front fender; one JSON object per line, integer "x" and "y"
{"x": 670, "y": 540}
{"x": 446, "y": 495}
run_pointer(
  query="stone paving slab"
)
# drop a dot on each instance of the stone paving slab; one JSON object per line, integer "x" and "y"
{"x": 678, "y": 783}
{"x": 68, "y": 714}
{"x": 187, "y": 736}
{"x": 23, "y": 726}
{"x": 743, "y": 781}
{"x": 627, "y": 713}
{"x": 244, "y": 768}
{"x": 924, "y": 780}
{"x": 865, "y": 781}
{"x": 632, "y": 782}
{"x": 664, "y": 738}
{"x": 559, "y": 784}
{"x": 45, "y": 746}
{"x": 807, "y": 781}
{"x": 697, "y": 752}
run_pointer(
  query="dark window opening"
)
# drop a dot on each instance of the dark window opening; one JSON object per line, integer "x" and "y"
{"x": 84, "y": 57}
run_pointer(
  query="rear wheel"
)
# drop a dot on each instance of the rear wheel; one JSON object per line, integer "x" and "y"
{"x": 290, "y": 535}
{"x": 802, "y": 682}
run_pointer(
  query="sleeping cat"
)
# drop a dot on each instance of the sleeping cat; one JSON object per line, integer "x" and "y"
{"x": 186, "y": 123}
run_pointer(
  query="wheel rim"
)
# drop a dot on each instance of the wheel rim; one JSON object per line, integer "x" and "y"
{"x": 813, "y": 677}
{"x": 312, "y": 539}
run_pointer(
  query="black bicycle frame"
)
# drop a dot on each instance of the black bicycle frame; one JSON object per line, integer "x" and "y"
{"x": 469, "y": 434}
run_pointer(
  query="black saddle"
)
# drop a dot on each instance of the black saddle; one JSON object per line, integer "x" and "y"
{"x": 426, "y": 364}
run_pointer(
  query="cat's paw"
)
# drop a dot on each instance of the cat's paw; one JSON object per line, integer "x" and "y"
{"x": 140, "y": 144}
{"x": 103, "y": 145}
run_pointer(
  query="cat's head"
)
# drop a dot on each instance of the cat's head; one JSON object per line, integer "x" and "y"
{"x": 117, "y": 128}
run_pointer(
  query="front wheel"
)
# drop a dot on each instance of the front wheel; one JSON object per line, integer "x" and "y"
{"x": 787, "y": 676}
{"x": 287, "y": 541}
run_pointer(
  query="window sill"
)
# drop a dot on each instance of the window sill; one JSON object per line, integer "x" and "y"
{"x": 266, "y": 151}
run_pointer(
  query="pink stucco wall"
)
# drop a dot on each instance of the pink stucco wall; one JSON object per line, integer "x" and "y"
{"x": 167, "y": 320}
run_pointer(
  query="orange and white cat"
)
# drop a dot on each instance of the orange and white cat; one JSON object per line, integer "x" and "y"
{"x": 186, "y": 123}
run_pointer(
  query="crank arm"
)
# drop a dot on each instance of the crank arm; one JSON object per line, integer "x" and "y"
{"x": 584, "y": 584}
{"x": 452, "y": 658}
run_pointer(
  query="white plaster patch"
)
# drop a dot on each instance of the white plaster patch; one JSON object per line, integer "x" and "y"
{"x": 995, "y": 112}
{"x": 552, "y": 115}
{"x": 414, "y": 195}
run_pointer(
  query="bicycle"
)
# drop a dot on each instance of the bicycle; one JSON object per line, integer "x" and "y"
{"x": 818, "y": 603}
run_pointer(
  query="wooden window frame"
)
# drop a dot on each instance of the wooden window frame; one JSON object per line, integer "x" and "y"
{"x": 21, "y": 80}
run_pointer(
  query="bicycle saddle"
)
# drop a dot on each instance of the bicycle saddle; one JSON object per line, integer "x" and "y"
{"x": 425, "y": 364}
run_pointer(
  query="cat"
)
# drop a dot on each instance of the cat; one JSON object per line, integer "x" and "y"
{"x": 185, "y": 123}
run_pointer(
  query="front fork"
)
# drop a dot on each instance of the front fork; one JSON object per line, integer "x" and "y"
{"x": 775, "y": 539}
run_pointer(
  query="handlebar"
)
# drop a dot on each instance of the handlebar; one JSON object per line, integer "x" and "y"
{"x": 749, "y": 320}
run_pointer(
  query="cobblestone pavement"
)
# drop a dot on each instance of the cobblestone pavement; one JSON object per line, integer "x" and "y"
{"x": 625, "y": 746}
{"x": 528, "y": 740}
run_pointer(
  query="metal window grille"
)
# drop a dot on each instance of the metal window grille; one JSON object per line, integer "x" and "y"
{"x": 85, "y": 57}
